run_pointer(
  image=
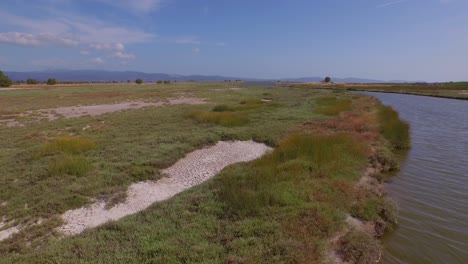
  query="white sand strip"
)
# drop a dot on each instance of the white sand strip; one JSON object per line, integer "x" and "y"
{"x": 195, "y": 168}
{"x": 4, "y": 234}
{"x": 95, "y": 110}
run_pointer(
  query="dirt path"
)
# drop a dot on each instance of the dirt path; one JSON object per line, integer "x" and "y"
{"x": 195, "y": 168}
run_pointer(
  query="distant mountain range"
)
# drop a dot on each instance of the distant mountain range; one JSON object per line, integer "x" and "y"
{"x": 123, "y": 76}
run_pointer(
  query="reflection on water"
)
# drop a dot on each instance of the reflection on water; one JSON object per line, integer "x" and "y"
{"x": 432, "y": 187}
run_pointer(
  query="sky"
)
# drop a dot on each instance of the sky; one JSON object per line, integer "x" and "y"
{"x": 413, "y": 40}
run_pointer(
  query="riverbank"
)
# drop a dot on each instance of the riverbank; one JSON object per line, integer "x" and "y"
{"x": 430, "y": 187}
{"x": 443, "y": 90}
{"x": 457, "y": 95}
{"x": 284, "y": 207}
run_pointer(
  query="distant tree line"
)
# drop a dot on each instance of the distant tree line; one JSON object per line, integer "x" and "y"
{"x": 4, "y": 80}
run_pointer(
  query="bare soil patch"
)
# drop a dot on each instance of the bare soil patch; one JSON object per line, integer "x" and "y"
{"x": 93, "y": 110}
{"x": 6, "y": 233}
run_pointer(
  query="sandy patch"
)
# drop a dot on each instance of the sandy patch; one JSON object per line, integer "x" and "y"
{"x": 228, "y": 89}
{"x": 95, "y": 110}
{"x": 195, "y": 168}
{"x": 10, "y": 123}
{"x": 11, "y": 89}
{"x": 4, "y": 234}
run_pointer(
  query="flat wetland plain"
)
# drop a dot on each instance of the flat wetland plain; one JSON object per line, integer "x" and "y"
{"x": 315, "y": 198}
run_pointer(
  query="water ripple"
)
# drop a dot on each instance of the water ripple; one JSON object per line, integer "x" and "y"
{"x": 432, "y": 186}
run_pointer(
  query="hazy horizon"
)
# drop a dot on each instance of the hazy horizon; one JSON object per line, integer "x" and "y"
{"x": 380, "y": 39}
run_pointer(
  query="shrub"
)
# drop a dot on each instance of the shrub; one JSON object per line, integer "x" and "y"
{"x": 327, "y": 79}
{"x": 227, "y": 119}
{"x": 359, "y": 247}
{"x": 393, "y": 128}
{"x": 223, "y": 108}
{"x": 4, "y": 80}
{"x": 139, "y": 81}
{"x": 31, "y": 81}
{"x": 51, "y": 81}
{"x": 159, "y": 82}
{"x": 67, "y": 164}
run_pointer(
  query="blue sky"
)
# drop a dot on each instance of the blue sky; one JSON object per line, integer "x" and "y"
{"x": 379, "y": 39}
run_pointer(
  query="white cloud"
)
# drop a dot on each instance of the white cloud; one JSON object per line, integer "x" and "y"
{"x": 391, "y": 3}
{"x": 196, "y": 50}
{"x": 107, "y": 46}
{"x": 98, "y": 60}
{"x": 141, "y": 6}
{"x": 123, "y": 55}
{"x": 69, "y": 29}
{"x": 26, "y": 39}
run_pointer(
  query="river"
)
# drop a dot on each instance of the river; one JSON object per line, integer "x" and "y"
{"x": 431, "y": 189}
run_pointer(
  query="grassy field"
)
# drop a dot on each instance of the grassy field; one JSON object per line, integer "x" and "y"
{"x": 455, "y": 90}
{"x": 284, "y": 207}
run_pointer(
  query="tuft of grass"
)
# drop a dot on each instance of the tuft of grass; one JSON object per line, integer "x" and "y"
{"x": 393, "y": 128}
{"x": 227, "y": 119}
{"x": 223, "y": 108}
{"x": 359, "y": 247}
{"x": 332, "y": 106}
{"x": 251, "y": 101}
{"x": 250, "y": 104}
{"x": 299, "y": 159}
{"x": 68, "y": 165}
{"x": 68, "y": 145}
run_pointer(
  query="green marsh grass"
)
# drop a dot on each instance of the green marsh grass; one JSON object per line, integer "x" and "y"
{"x": 283, "y": 177}
{"x": 69, "y": 145}
{"x": 223, "y": 108}
{"x": 295, "y": 198}
{"x": 332, "y": 106}
{"x": 69, "y": 165}
{"x": 227, "y": 119}
{"x": 395, "y": 130}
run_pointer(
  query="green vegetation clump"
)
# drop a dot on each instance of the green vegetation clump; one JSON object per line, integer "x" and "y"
{"x": 138, "y": 81}
{"x": 359, "y": 247}
{"x": 223, "y": 108}
{"x": 68, "y": 165}
{"x": 332, "y": 106}
{"x": 51, "y": 81}
{"x": 299, "y": 165}
{"x": 67, "y": 152}
{"x": 393, "y": 128}
{"x": 4, "y": 80}
{"x": 31, "y": 81}
{"x": 227, "y": 119}
{"x": 68, "y": 145}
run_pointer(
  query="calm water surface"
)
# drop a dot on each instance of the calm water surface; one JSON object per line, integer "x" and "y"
{"x": 432, "y": 188}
